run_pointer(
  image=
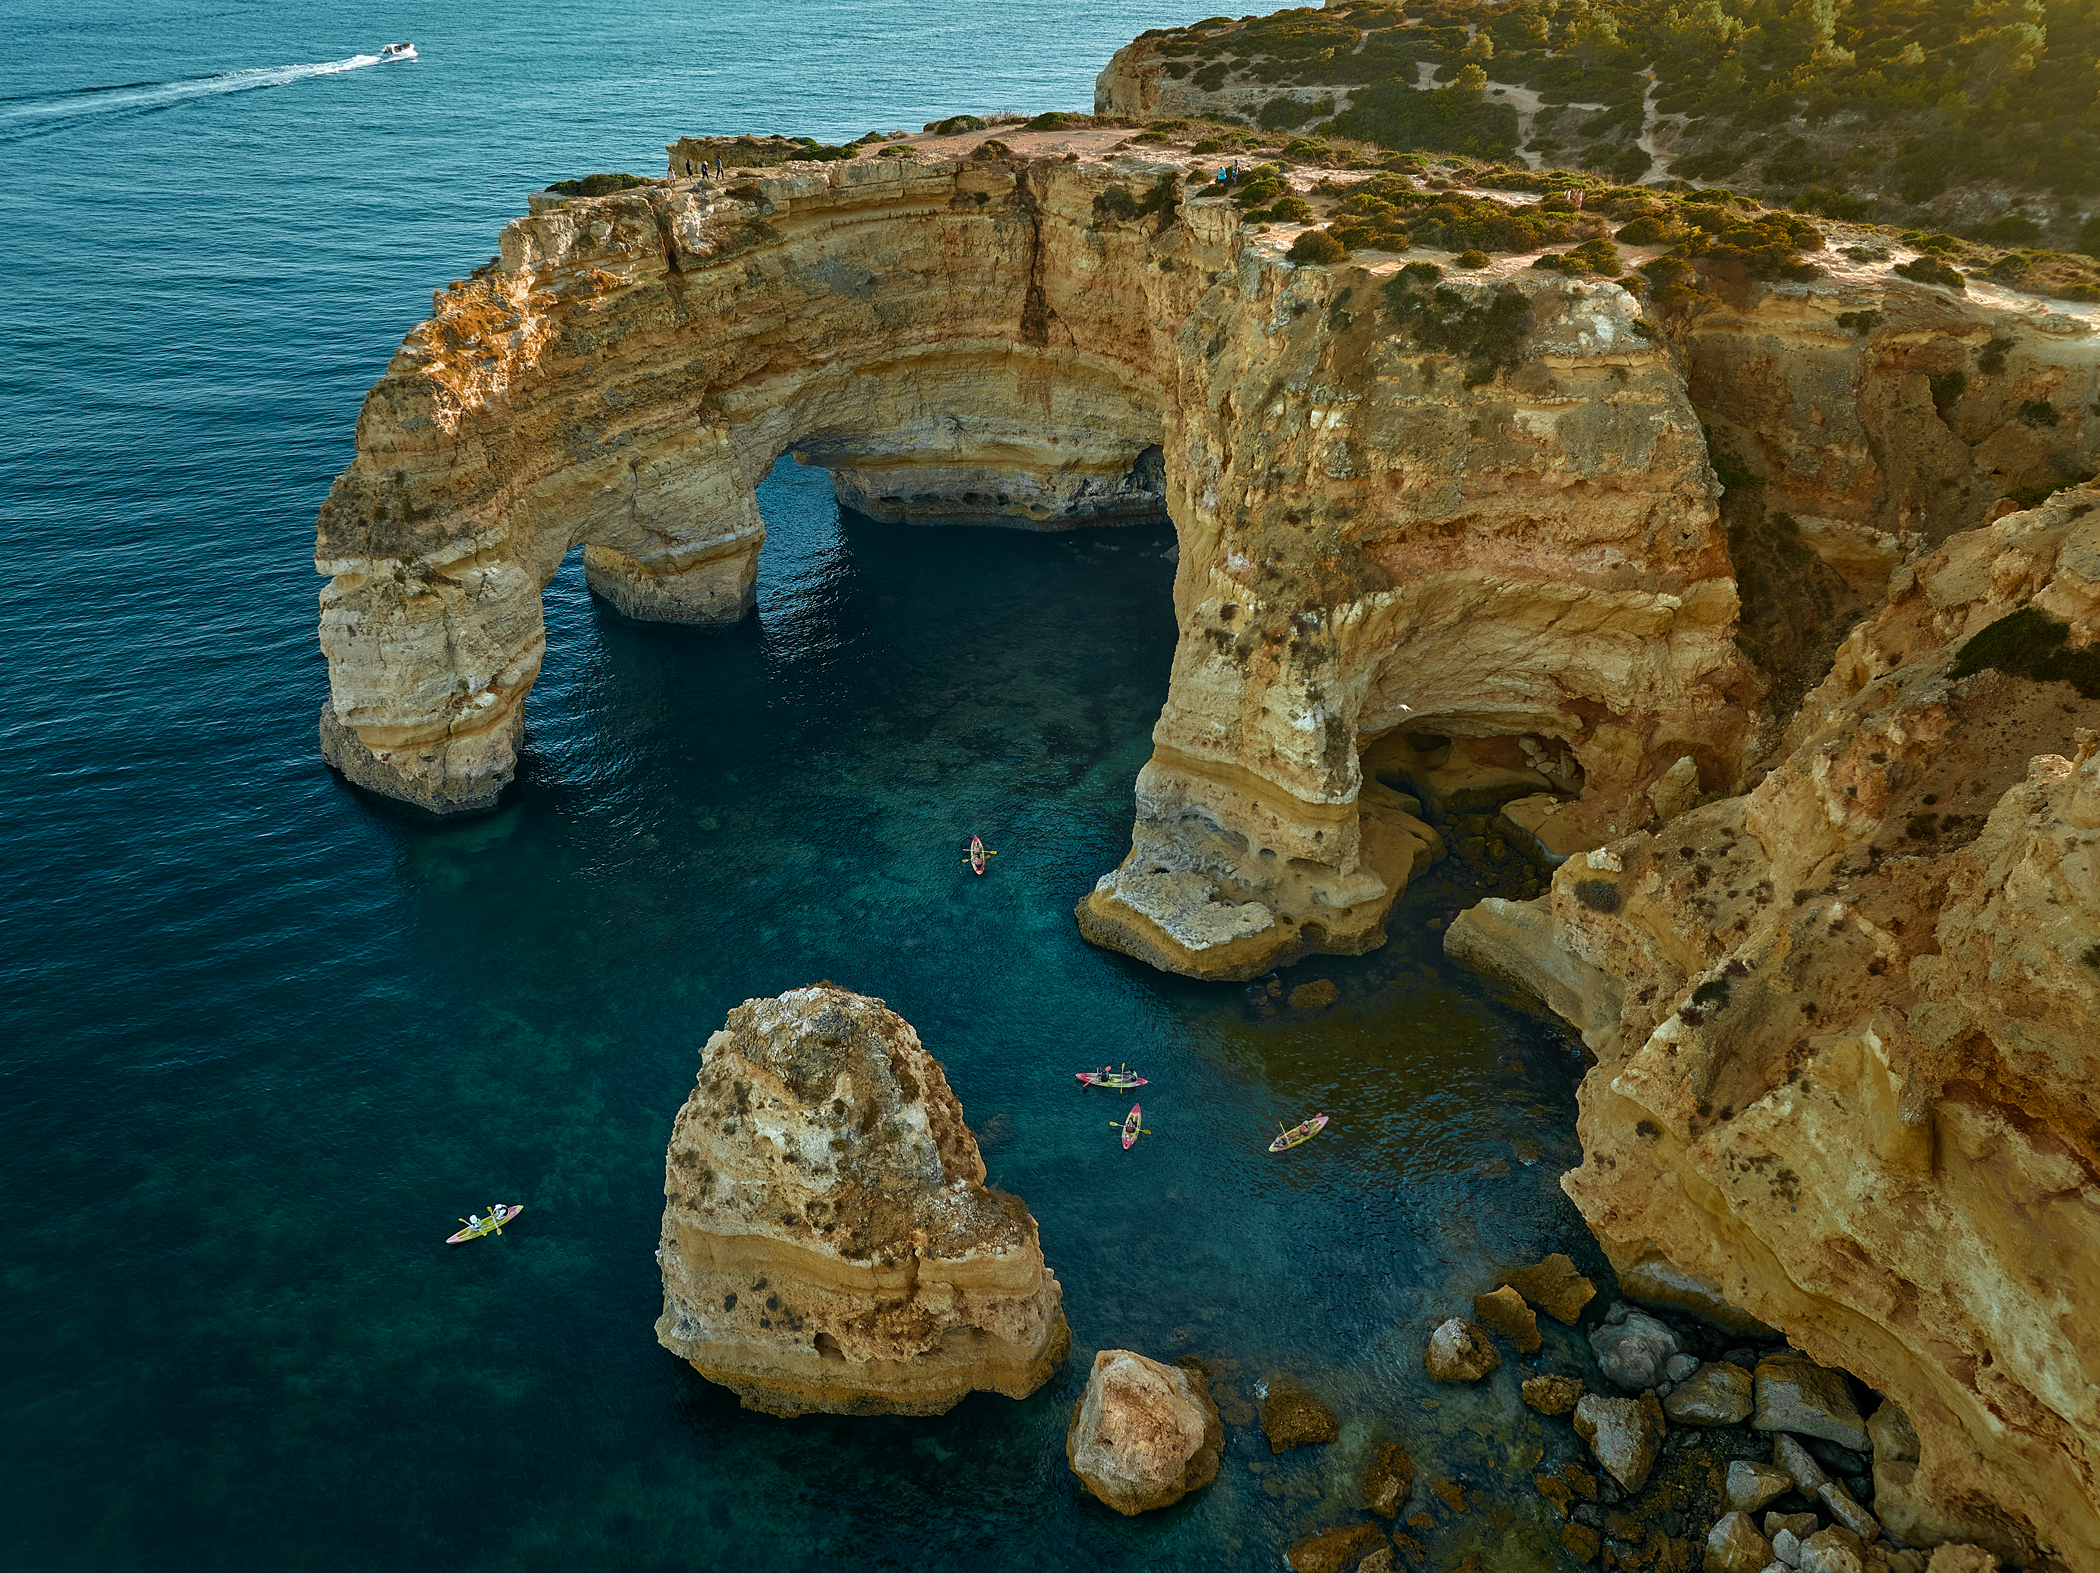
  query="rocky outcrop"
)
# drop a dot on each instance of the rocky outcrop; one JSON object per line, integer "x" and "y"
{"x": 1143, "y": 1435}
{"x": 1845, "y": 1033}
{"x": 829, "y": 1243}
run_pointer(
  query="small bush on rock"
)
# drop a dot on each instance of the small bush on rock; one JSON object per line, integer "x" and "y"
{"x": 596, "y": 185}
{"x": 1930, "y": 270}
{"x": 1317, "y": 246}
{"x": 2030, "y": 644}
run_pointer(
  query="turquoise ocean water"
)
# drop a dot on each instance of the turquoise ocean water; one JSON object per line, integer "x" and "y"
{"x": 262, "y": 1039}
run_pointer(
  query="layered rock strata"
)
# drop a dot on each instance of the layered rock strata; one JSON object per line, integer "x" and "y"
{"x": 829, "y": 1243}
{"x": 1847, "y": 1028}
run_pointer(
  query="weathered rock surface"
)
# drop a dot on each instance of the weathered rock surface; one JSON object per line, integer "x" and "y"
{"x": 1632, "y": 1348}
{"x": 1388, "y": 1479}
{"x": 1335, "y": 1550}
{"x": 1795, "y": 1394}
{"x": 1554, "y": 1286}
{"x": 829, "y": 1243}
{"x": 1143, "y": 1435}
{"x": 1714, "y": 1395}
{"x": 1459, "y": 1352}
{"x": 1552, "y": 1395}
{"x": 1750, "y": 1485}
{"x": 1505, "y": 1312}
{"x": 1624, "y": 1434}
{"x": 1832, "y": 1550}
{"x": 1733, "y": 1545}
{"x": 1890, "y": 1435}
{"x": 1291, "y": 1419}
{"x": 1847, "y": 1069}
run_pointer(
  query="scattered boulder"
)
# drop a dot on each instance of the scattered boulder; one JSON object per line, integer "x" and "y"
{"x": 1680, "y": 1366}
{"x": 1316, "y": 995}
{"x": 1335, "y": 1550}
{"x": 1802, "y": 1525}
{"x": 1388, "y": 1480}
{"x": 1581, "y": 1542}
{"x": 1554, "y": 1286}
{"x": 1962, "y": 1559}
{"x": 1380, "y": 1561}
{"x": 1143, "y": 1435}
{"x": 1733, "y": 1545}
{"x": 1833, "y": 1550}
{"x": 1890, "y": 1433}
{"x": 1713, "y": 1395}
{"x": 1624, "y": 1434}
{"x": 1293, "y": 1419}
{"x": 1804, "y": 1471}
{"x": 1505, "y": 1312}
{"x": 1795, "y": 1394}
{"x": 1460, "y": 1352}
{"x": 1751, "y": 1485}
{"x": 1848, "y": 1512}
{"x": 1632, "y": 1347}
{"x": 1552, "y": 1395}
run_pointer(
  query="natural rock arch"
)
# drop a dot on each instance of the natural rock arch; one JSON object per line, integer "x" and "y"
{"x": 1050, "y": 339}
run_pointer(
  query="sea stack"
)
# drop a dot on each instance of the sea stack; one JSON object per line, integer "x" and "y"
{"x": 829, "y": 1243}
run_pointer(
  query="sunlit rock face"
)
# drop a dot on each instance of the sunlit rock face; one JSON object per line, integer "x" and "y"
{"x": 1498, "y": 548}
{"x": 1848, "y": 1029}
{"x": 829, "y": 1244}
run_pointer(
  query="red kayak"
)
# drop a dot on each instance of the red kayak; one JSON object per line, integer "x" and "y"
{"x": 978, "y": 853}
{"x": 1131, "y": 1126}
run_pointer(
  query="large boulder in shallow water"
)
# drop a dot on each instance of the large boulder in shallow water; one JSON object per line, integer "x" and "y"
{"x": 1291, "y": 1419}
{"x": 1143, "y": 1435}
{"x": 1554, "y": 1286}
{"x": 1625, "y": 1434}
{"x": 829, "y": 1244}
{"x": 1632, "y": 1348}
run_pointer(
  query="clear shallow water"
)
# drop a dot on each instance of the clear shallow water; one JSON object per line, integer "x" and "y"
{"x": 261, "y": 1039}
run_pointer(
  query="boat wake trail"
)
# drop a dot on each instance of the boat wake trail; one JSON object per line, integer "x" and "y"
{"x": 41, "y": 113}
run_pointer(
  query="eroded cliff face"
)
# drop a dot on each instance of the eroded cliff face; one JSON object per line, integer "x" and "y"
{"x": 829, "y": 1244}
{"x": 1848, "y": 1028}
{"x": 1485, "y": 510}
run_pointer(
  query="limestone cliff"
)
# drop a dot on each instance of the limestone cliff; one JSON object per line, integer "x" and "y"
{"x": 1848, "y": 1030}
{"x": 829, "y": 1243}
{"x": 1485, "y": 509}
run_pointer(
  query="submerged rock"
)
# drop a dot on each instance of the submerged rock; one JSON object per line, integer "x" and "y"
{"x": 1459, "y": 1352}
{"x": 1552, "y": 1395}
{"x": 1795, "y": 1394}
{"x": 1388, "y": 1480}
{"x": 1632, "y": 1348}
{"x": 1625, "y": 1434}
{"x": 1336, "y": 1550}
{"x": 1505, "y": 1312}
{"x": 1554, "y": 1286}
{"x": 1143, "y": 1435}
{"x": 829, "y": 1243}
{"x": 1291, "y": 1419}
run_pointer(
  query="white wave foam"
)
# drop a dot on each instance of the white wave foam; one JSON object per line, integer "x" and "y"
{"x": 25, "y": 114}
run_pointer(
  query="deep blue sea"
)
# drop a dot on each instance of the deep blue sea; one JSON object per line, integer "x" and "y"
{"x": 263, "y": 1039}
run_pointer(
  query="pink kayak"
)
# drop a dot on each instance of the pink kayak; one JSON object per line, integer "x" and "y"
{"x": 1117, "y": 1079}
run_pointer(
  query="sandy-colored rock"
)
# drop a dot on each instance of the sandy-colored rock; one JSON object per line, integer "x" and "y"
{"x": 1459, "y": 1352}
{"x": 1798, "y": 1465}
{"x": 1795, "y": 1394}
{"x": 1143, "y": 1435}
{"x": 1632, "y": 1348}
{"x": 1505, "y": 1312}
{"x": 1291, "y": 1419}
{"x": 1385, "y": 1559}
{"x": 829, "y": 1243}
{"x": 1846, "y": 1068}
{"x": 1581, "y": 1542}
{"x": 1554, "y": 1286}
{"x": 1388, "y": 1478}
{"x": 1890, "y": 1434}
{"x": 1962, "y": 1559}
{"x": 1905, "y": 1511}
{"x": 1552, "y": 1395}
{"x": 1335, "y": 1550}
{"x": 1839, "y": 1504}
{"x": 1733, "y": 1545}
{"x": 1832, "y": 1550}
{"x": 1801, "y": 1525}
{"x": 1750, "y": 1485}
{"x": 1717, "y": 1394}
{"x": 1624, "y": 1434}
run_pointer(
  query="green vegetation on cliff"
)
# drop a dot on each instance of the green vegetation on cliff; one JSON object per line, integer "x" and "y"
{"x": 1981, "y": 116}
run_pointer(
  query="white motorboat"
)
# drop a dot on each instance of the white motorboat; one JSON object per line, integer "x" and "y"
{"x": 398, "y": 52}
